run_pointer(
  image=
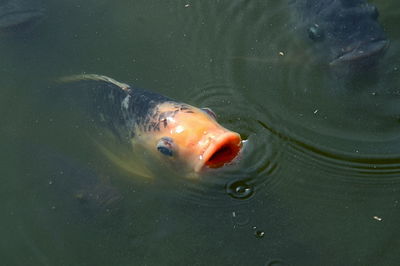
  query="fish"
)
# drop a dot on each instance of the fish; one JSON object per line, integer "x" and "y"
{"x": 347, "y": 31}
{"x": 19, "y": 14}
{"x": 173, "y": 131}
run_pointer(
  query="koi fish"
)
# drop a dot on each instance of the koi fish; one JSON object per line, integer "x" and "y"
{"x": 347, "y": 31}
{"x": 169, "y": 129}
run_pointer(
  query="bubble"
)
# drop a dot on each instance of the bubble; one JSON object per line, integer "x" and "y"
{"x": 240, "y": 190}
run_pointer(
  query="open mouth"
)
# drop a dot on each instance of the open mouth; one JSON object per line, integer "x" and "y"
{"x": 363, "y": 51}
{"x": 222, "y": 151}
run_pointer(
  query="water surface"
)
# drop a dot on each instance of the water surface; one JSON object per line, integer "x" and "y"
{"x": 318, "y": 181}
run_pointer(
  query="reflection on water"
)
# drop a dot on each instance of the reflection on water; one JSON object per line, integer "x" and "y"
{"x": 316, "y": 184}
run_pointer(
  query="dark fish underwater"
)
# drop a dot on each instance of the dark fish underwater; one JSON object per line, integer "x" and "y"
{"x": 346, "y": 31}
{"x": 173, "y": 131}
{"x": 19, "y": 14}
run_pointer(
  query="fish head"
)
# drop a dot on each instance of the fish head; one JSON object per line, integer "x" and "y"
{"x": 349, "y": 32}
{"x": 193, "y": 136}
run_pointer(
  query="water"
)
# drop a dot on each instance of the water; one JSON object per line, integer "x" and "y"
{"x": 318, "y": 181}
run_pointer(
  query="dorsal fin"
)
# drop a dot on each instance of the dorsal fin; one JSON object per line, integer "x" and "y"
{"x": 102, "y": 98}
{"x": 95, "y": 77}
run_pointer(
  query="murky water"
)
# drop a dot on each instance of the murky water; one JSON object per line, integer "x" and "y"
{"x": 318, "y": 181}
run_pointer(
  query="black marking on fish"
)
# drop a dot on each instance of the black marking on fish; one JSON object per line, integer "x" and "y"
{"x": 161, "y": 118}
{"x": 165, "y": 122}
{"x": 126, "y": 110}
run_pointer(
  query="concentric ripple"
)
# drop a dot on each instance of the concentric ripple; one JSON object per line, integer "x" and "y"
{"x": 367, "y": 161}
{"x": 369, "y": 167}
{"x": 271, "y": 87}
{"x": 345, "y": 125}
{"x": 237, "y": 33}
{"x": 254, "y": 171}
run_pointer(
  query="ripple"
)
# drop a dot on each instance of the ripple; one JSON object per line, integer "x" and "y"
{"x": 240, "y": 218}
{"x": 370, "y": 167}
{"x": 280, "y": 71}
{"x": 219, "y": 96}
{"x": 239, "y": 190}
{"x": 377, "y": 165}
{"x": 235, "y": 30}
{"x": 254, "y": 171}
{"x": 257, "y": 72}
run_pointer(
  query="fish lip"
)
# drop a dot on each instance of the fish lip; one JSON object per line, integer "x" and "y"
{"x": 362, "y": 51}
{"x": 229, "y": 140}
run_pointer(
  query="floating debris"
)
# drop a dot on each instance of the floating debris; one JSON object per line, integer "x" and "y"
{"x": 258, "y": 233}
{"x": 378, "y": 218}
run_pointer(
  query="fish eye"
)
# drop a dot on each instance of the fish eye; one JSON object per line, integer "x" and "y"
{"x": 166, "y": 146}
{"x": 316, "y": 33}
{"x": 209, "y": 112}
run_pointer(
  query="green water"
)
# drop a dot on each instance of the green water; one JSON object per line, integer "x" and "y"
{"x": 318, "y": 181}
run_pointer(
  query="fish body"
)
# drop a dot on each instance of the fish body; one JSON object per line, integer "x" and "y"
{"x": 173, "y": 130}
{"x": 19, "y": 13}
{"x": 347, "y": 31}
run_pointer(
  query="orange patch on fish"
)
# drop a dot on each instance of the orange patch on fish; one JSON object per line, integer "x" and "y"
{"x": 193, "y": 136}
